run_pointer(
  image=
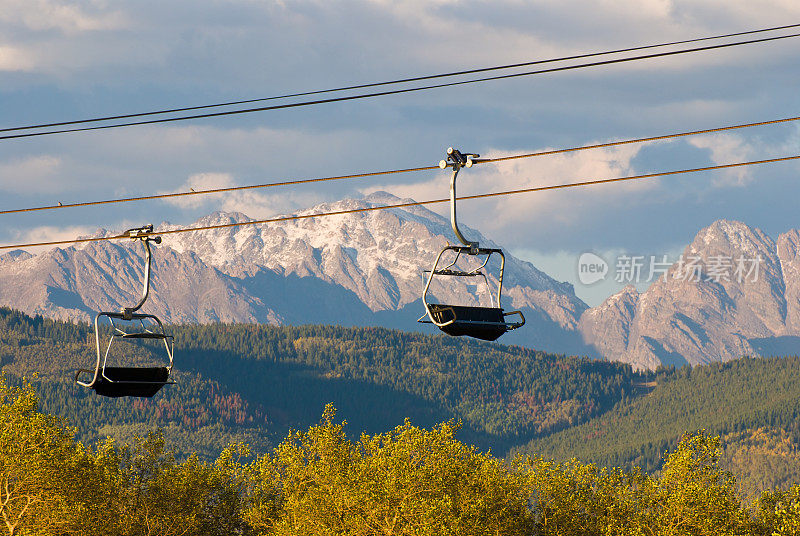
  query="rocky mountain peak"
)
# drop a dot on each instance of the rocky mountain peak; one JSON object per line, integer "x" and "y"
{"x": 728, "y": 289}
{"x": 732, "y": 237}
{"x": 359, "y": 268}
{"x": 15, "y": 255}
{"x": 734, "y": 292}
{"x": 380, "y": 256}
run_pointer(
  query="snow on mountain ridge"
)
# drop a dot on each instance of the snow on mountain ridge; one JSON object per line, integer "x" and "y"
{"x": 344, "y": 268}
{"x": 367, "y": 268}
{"x": 378, "y": 255}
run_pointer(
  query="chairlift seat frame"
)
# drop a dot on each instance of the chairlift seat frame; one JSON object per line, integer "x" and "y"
{"x": 480, "y": 322}
{"x": 118, "y": 381}
{"x": 487, "y": 323}
{"x": 115, "y": 382}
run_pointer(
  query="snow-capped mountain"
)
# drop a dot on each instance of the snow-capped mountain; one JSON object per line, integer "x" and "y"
{"x": 361, "y": 268}
{"x": 367, "y": 268}
{"x": 380, "y": 256}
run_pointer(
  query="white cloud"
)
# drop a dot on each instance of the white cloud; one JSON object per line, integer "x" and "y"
{"x": 49, "y": 233}
{"x": 13, "y": 58}
{"x": 732, "y": 148}
{"x": 253, "y": 203}
{"x": 32, "y": 174}
{"x": 69, "y": 18}
{"x": 135, "y": 162}
{"x": 499, "y": 213}
{"x": 199, "y": 182}
{"x": 792, "y": 144}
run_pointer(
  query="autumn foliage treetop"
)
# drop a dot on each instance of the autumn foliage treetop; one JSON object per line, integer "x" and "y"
{"x": 407, "y": 481}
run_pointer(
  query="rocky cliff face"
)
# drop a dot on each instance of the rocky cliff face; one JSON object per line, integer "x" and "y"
{"x": 736, "y": 292}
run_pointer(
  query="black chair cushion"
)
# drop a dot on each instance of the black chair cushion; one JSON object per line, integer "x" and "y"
{"x": 131, "y": 381}
{"x": 486, "y": 323}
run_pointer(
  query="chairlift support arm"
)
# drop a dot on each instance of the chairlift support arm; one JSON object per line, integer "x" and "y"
{"x": 145, "y": 235}
{"x": 118, "y": 381}
{"x": 487, "y": 323}
{"x": 456, "y": 160}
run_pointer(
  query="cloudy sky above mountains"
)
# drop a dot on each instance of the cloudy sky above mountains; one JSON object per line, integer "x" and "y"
{"x": 66, "y": 60}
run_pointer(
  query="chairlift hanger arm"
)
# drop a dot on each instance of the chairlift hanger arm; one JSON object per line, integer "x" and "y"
{"x": 123, "y": 381}
{"x": 145, "y": 235}
{"x": 456, "y": 160}
{"x": 487, "y": 323}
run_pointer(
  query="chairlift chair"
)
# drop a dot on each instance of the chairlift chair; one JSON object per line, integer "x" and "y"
{"x": 480, "y": 322}
{"x": 128, "y": 325}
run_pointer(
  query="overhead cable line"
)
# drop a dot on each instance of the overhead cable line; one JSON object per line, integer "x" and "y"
{"x": 217, "y": 190}
{"x": 401, "y": 91}
{"x": 408, "y": 204}
{"x": 396, "y": 81}
{"x": 636, "y": 140}
{"x": 295, "y": 182}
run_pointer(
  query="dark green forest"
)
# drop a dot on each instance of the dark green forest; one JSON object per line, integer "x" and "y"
{"x": 245, "y": 381}
{"x": 253, "y": 383}
{"x": 754, "y": 403}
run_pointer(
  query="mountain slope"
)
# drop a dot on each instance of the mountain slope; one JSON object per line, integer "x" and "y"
{"x": 368, "y": 269}
{"x": 721, "y": 398}
{"x": 355, "y": 269}
{"x": 737, "y": 293}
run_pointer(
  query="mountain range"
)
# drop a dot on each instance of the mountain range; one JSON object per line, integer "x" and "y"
{"x": 368, "y": 268}
{"x": 736, "y": 294}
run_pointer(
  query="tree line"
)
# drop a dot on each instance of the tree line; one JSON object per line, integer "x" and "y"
{"x": 320, "y": 481}
{"x": 260, "y": 380}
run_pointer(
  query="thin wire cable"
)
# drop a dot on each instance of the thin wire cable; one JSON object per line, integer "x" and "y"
{"x": 295, "y": 182}
{"x": 397, "y": 81}
{"x": 400, "y": 91}
{"x": 217, "y": 190}
{"x": 636, "y": 140}
{"x": 408, "y": 204}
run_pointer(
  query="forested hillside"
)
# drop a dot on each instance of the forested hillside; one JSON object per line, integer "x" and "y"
{"x": 753, "y": 403}
{"x": 251, "y": 383}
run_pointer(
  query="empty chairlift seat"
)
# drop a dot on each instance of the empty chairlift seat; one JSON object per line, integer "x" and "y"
{"x": 485, "y": 323}
{"x": 480, "y": 322}
{"x": 117, "y": 382}
{"x": 126, "y": 327}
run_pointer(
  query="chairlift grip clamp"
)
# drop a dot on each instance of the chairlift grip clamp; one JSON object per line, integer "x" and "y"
{"x": 143, "y": 233}
{"x": 456, "y": 159}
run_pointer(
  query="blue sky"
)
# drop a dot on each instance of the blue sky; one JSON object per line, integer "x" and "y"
{"x": 66, "y": 60}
